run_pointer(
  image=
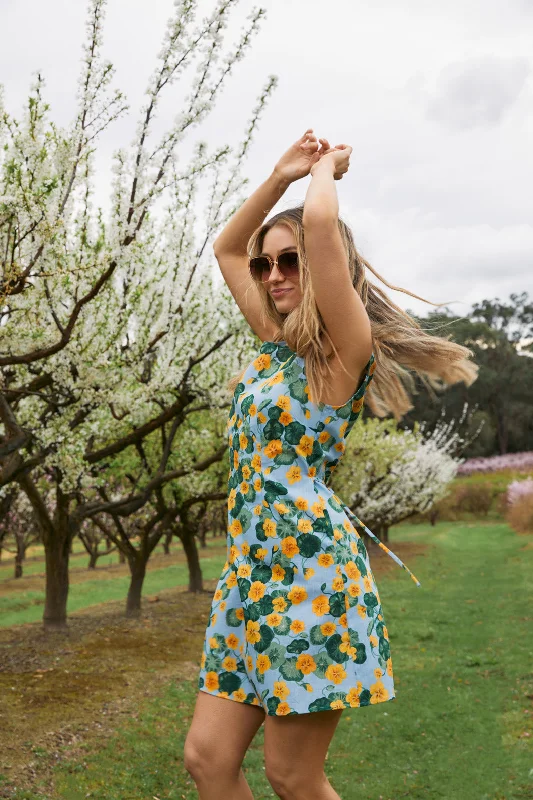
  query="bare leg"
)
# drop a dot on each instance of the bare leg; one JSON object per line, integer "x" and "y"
{"x": 218, "y": 738}
{"x": 295, "y": 750}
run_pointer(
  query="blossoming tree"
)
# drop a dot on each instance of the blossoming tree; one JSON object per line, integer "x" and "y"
{"x": 388, "y": 474}
{"x": 111, "y": 327}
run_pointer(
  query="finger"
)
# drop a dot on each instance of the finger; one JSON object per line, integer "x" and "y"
{"x": 304, "y": 137}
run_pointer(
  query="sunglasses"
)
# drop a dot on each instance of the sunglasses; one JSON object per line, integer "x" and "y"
{"x": 261, "y": 266}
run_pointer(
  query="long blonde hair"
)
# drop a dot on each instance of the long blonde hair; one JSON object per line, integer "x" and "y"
{"x": 400, "y": 344}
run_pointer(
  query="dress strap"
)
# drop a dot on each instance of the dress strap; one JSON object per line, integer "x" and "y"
{"x": 383, "y": 547}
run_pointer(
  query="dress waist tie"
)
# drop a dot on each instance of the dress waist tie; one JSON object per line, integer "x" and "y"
{"x": 383, "y": 547}
{"x": 372, "y": 535}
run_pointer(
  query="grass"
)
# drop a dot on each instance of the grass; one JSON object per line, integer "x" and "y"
{"x": 461, "y": 724}
{"x": 22, "y": 600}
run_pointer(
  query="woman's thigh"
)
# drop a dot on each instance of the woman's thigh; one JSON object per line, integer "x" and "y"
{"x": 296, "y": 745}
{"x": 221, "y": 731}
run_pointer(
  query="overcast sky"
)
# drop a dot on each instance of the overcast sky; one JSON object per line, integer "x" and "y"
{"x": 435, "y": 98}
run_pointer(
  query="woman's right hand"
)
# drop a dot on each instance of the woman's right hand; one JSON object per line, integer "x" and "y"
{"x": 299, "y": 158}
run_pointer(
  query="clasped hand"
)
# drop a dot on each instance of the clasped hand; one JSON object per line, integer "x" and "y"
{"x": 302, "y": 157}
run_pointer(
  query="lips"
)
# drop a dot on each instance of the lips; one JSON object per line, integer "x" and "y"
{"x": 279, "y": 292}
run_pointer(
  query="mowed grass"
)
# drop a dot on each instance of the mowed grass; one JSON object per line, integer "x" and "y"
{"x": 460, "y": 727}
{"x": 22, "y": 600}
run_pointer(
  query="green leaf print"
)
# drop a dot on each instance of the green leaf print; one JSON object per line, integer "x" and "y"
{"x": 287, "y": 456}
{"x": 229, "y": 682}
{"x": 274, "y": 412}
{"x": 323, "y": 525}
{"x": 284, "y": 627}
{"x": 244, "y": 587}
{"x": 272, "y": 704}
{"x": 259, "y": 530}
{"x": 264, "y": 403}
{"x": 370, "y": 600}
{"x": 297, "y": 390}
{"x": 337, "y": 604}
{"x": 322, "y": 704}
{"x": 290, "y": 671}
{"x": 291, "y": 372}
{"x": 288, "y": 580}
{"x": 361, "y": 566}
{"x": 212, "y": 663}
{"x": 294, "y": 432}
{"x": 276, "y": 654}
{"x": 273, "y": 430}
{"x": 316, "y": 635}
{"x": 239, "y": 502}
{"x": 286, "y": 527}
{"x": 260, "y": 676}
{"x": 245, "y": 517}
{"x": 253, "y": 550}
{"x": 316, "y": 456}
{"x": 253, "y": 611}
{"x": 364, "y": 697}
{"x": 232, "y": 619}
{"x": 354, "y": 637}
{"x": 332, "y": 646}
{"x": 384, "y": 649}
{"x": 370, "y": 626}
{"x": 322, "y": 661}
{"x": 265, "y": 604}
{"x": 246, "y": 403}
{"x": 298, "y": 646}
{"x": 308, "y": 544}
{"x": 275, "y": 488}
{"x": 267, "y": 634}
{"x": 360, "y": 656}
{"x": 261, "y": 572}
{"x": 334, "y": 505}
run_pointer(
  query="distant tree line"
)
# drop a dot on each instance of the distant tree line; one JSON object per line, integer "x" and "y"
{"x": 501, "y": 336}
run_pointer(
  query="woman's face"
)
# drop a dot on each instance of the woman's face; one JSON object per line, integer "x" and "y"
{"x": 277, "y": 240}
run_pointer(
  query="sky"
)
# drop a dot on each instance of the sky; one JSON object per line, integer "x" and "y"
{"x": 436, "y": 100}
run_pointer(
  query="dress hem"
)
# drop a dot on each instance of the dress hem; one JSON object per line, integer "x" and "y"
{"x": 294, "y": 711}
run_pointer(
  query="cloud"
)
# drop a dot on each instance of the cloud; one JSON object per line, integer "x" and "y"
{"x": 478, "y": 92}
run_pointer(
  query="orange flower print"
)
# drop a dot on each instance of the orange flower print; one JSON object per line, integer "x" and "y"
{"x": 289, "y": 546}
{"x": 305, "y": 446}
{"x": 305, "y": 663}
{"x": 320, "y": 605}
{"x": 336, "y": 673}
{"x": 293, "y": 475}
{"x": 297, "y": 594}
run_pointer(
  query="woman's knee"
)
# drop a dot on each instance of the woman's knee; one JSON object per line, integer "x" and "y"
{"x": 205, "y": 758}
{"x": 291, "y": 782}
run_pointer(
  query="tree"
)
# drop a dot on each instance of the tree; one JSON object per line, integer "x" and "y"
{"x": 111, "y": 326}
{"x": 498, "y": 334}
{"x": 388, "y": 474}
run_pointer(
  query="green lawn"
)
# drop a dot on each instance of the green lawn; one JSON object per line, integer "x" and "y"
{"x": 462, "y": 653}
{"x": 26, "y": 605}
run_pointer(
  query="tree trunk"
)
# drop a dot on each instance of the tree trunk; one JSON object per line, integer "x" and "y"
{"x": 501, "y": 430}
{"x": 166, "y": 543}
{"x": 93, "y": 558}
{"x": 19, "y": 557}
{"x": 138, "y": 572}
{"x": 121, "y": 557}
{"x": 193, "y": 560}
{"x": 57, "y": 554}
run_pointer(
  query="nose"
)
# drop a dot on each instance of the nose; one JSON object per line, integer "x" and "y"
{"x": 275, "y": 274}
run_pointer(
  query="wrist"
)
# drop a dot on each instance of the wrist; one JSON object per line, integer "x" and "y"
{"x": 324, "y": 165}
{"x": 281, "y": 180}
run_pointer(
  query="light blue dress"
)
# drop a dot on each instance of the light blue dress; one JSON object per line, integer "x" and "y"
{"x": 296, "y": 624}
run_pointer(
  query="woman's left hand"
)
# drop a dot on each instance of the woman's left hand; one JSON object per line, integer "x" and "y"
{"x": 338, "y": 155}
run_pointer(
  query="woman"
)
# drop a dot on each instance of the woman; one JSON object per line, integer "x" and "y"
{"x": 296, "y": 624}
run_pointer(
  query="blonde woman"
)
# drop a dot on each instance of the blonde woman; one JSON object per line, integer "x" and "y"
{"x": 296, "y": 631}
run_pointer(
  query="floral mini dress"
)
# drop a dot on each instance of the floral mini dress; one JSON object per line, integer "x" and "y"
{"x": 296, "y": 624}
